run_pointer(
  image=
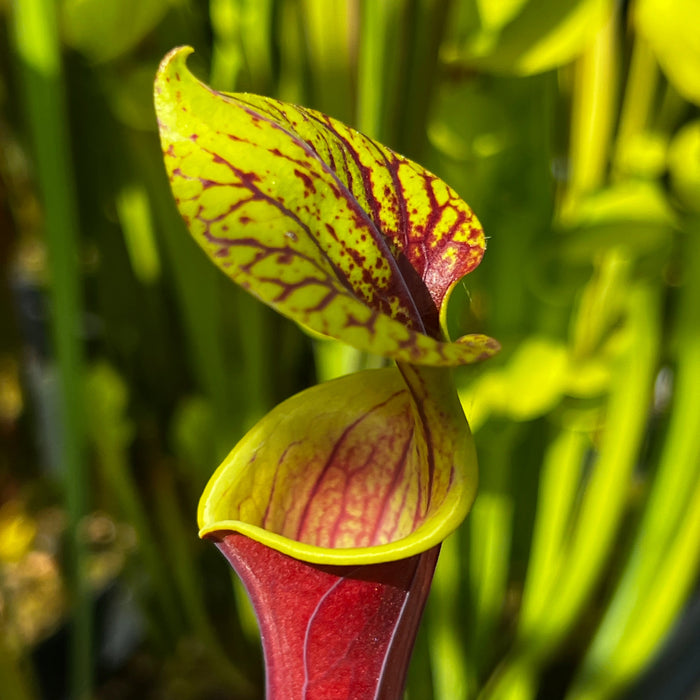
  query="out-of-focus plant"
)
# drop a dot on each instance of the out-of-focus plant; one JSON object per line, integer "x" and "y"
{"x": 571, "y": 127}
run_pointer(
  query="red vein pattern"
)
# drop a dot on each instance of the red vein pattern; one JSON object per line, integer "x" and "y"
{"x": 420, "y": 216}
{"x": 355, "y": 241}
{"x": 347, "y": 479}
{"x": 384, "y": 450}
{"x": 325, "y": 225}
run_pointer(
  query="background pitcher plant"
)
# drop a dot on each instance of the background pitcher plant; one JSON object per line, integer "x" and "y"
{"x": 332, "y": 508}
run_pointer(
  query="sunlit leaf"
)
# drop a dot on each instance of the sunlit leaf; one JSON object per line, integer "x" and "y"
{"x": 671, "y": 28}
{"x": 17, "y": 531}
{"x": 528, "y": 386}
{"x": 544, "y": 34}
{"x": 635, "y": 215}
{"x": 106, "y": 29}
{"x": 495, "y": 15}
{"x": 642, "y": 155}
{"x": 637, "y": 201}
{"x": 326, "y": 226}
{"x": 535, "y": 380}
{"x": 357, "y": 470}
{"x": 684, "y": 165}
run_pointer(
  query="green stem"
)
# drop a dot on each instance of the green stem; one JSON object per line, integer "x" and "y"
{"x": 559, "y": 482}
{"x": 328, "y": 31}
{"x": 602, "y": 505}
{"x": 134, "y": 211}
{"x": 255, "y": 35}
{"x": 640, "y": 91}
{"x": 604, "y": 499}
{"x": 254, "y": 338}
{"x": 490, "y": 535}
{"x": 592, "y": 116}
{"x": 334, "y": 359}
{"x": 110, "y": 432}
{"x": 423, "y": 25}
{"x": 452, "y": 679}
{"x": 376, "y": 22}
{"x": 38, "y": 47}
{"x": 599, "y": 305}
{"x": 293, "y": 75}
{"x": 226, "y": 55}
{"x": 637, "y": 598}
{"x": 197, "y": 288}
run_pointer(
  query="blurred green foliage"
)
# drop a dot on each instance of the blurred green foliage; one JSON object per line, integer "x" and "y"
{"x": 129, "y": 365}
